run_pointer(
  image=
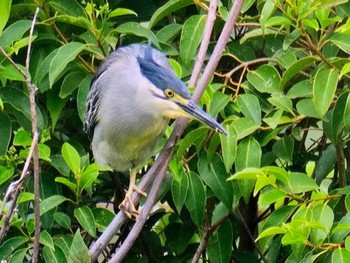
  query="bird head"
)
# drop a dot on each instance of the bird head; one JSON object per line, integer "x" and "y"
{"x": 172, "y": 93}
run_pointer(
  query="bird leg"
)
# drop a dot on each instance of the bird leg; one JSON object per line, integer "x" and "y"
{"x": 131, "y": 211}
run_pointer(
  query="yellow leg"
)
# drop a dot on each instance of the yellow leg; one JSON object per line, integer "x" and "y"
{"x": 131, "y": 211}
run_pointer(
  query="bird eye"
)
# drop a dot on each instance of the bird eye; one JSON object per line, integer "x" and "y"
{"x": 169, "y": 93}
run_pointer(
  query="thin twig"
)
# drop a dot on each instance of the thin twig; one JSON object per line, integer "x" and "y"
{"x": 179, "y": 128}
{"x": 14, "y": 188}
{"x": 32, "y": 91}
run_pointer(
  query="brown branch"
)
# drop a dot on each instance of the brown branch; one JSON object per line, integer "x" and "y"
{"x": 341, "y": 165}
{"x": 163, "y": 162}
{"x": 204, "y": 241}
{"x": 32, "y": 91}
{"x": 15, "y": 187}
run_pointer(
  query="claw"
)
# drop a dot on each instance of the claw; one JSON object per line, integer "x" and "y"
{"x": 131, "y": 211}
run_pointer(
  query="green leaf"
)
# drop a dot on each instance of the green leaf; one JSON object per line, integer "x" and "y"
{"x": 20, "y": 101}
{"x": 5, "y": 131}
{"x": 62, "y": 219}
{"x": 179, "y": 189}
{"x": 14, "y": 32}
{"x": 300, "y": 90}
{"x": 86, "y": 219}
{"x": 324, "y": 215}
{"x": 342, "y": 41}
{"x": 71, "y": 157}
{"x": 71, "y": 185}
{"x": 244, "y": 127}
{"x": 46, "y": 239}
{"x": 19, "y": 255}
{"x": 179, "y": 235}
{"x": 168, "y": 8}
{"x": 5, "y": 174}
{"x": 299, "y": 183}
{"x": 195, "y": 200}
{"x": 70, "y": 83}
{"x": 281, "y": 102}
{"x": 341, "y": 230}
{"x": 83, "y": 91}
{"x": 68, "y": 7}
{"x": 64, "y": 55}
{"x": 250, "y": 107}
{"x": 88, "y": 176}
{"x": 168, "y": 32}
{"x": 229, "y": 146}
{"x": 284, "y": 148}
{"x": 295, "y": 69}
{"x": 55, "y": 105}
{"x": 10, "y": 245}
{"x": 324, "y": 86}
{"x": 55, "y": 255}
{"x": 248, "y": 154}
{"x": 138, "y": 30}
{"x": 306, "y": 107}
{"x": 220, "y": 243}
{"x": 9, "y": 72}
{"x": 270, "y": 195}
{"x": 22, "y": 138}
{"x": 78, "y": 251}
{"x": 51, "y": 203}
{"x": 346, "y": 116}
{"x": 265, "y": 79}
{"x": 191, "y": 36}
{"x": 213, "y": 174}
{"x": 341, "y": 255}
{"x": 121, "y": 12}
{"x": 5, "y": 8}
{"x": 103, "y": 217}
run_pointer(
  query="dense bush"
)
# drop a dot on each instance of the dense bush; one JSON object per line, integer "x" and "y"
{"x": 273, "y": 190}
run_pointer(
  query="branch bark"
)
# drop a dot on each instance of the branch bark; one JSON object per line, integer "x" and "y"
{"x": 15, "y": 187}
{"x": 157, "y": 172}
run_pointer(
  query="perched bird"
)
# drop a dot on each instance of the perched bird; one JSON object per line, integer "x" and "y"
{"x": 133, "y": 95}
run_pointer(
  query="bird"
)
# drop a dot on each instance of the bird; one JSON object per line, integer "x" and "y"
{"x": 133, "y": 95}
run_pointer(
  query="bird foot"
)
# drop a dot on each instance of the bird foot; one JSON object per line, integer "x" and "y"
{"x": 131, "y": 211}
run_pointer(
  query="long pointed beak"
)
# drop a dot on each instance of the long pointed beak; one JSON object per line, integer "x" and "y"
{"x": 192, "y": 109}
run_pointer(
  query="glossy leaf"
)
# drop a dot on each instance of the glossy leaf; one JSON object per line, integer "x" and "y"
{"x": 229, "y": 146}
{"x": 5, "y": 131}
{"x": 55, "y": 255}
{"x": 179, "y": 189}
{"x": 71, "y": 157}
{"x": 248, "y": 154}
{"x": 62, "y": 219}
{"x": 64, "y": 55}
{"x": 46, "y": 239}
{"x": 219, "y": 249}
{"x": 68, "y": 7}
{"x": 324, "y": 87}
{"x": 195, "y": 200}
{"x": 103, "y": 217}
{"x": 8, "y": 246}
{"x": 299, "y": 183}
{"x": 86, "y": 219}
{"x": 250, "y": 107}
{"x": 340, "y": 255}
{"x": 296, "y": 68}
{"x": 244, "y": 127}
{"x": 51, "y": 203}
{"x": 324, "y": 215}
{"x": 265, "y": 79}
{"x": 284, "y": 149}
{"x": 138, "y": 30}
{"x": 78, "y": 252}
{"x": 5, "y": 7}
{"x": 14, "y": 32}
{"x": 213, "y": 174}
{"x": 168, "y": 8}
{"x": 191, "y": 36}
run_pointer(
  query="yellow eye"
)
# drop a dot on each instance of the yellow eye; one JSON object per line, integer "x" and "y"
{"x": 169, "y": 93}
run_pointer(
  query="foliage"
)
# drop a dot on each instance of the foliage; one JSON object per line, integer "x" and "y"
{"x": 281, "y": 90}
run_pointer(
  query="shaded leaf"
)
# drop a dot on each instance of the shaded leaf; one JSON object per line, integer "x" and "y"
{"x": 78, "y": 252}
{"x": 86, "y": 219}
